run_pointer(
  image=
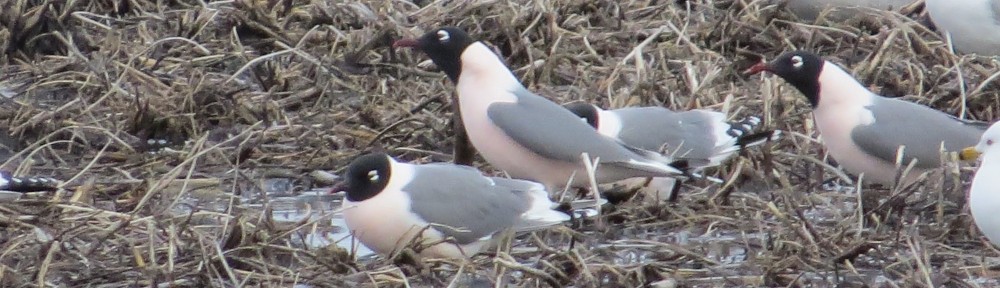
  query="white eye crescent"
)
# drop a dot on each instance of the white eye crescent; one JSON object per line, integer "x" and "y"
{"x": 443, "y": 36}
{"x": 373, "y": 175}
{"x": 796, "y": 61}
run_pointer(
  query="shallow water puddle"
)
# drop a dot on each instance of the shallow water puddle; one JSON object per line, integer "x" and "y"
{"x": 316, "y": 208}
{"x": 646, "y": 247}
{"x": 315, "y": 205}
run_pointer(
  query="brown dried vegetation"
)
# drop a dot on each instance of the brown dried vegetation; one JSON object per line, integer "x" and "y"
{"x": 282, "y": 88}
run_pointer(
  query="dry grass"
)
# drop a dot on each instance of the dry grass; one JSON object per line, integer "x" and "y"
{"x": 278, "y": 89}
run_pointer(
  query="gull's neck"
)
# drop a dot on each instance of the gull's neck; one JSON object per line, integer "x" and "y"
{"x": 608, "y": 123}
{"x": 990, "y": 158}
{"x": 838, "y": 88}
{"x": 480, "y": 63}
{"x": 483, "y": 76}
{"x": 399, "y": 175}
{"x": 989, "y": 165}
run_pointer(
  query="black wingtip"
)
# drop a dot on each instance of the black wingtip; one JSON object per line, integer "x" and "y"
{"x": 690, "y": 167}
{"x": 682, "y": 164}
{"x": 758, "y": 138}
{"x": 30, "y": 184}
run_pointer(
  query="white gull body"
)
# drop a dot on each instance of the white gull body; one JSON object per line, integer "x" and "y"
{"x": 485, "y": 81}
{"x": 837, "y": 116}
{"x": 984, "y": 195}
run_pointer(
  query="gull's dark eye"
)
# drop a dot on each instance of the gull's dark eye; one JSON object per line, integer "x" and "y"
{"x": 443, "y": 36}
{"x": 989, "y": 141}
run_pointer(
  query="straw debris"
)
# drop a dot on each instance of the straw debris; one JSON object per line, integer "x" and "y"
{"x": 170, "y": 120}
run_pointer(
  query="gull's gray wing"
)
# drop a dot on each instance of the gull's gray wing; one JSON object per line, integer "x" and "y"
{"x": 462, "y": 203}
{"x": 518, "y": 185}
{"x": 535, "y": 191}
{"x": 556, "y": 133}
{"x": 920, "y": 128}
{"x": 689, "y": 134}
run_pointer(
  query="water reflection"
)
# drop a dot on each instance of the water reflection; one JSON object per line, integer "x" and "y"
{"x": 317, "y": 205}
{"x": 317, "y": 209}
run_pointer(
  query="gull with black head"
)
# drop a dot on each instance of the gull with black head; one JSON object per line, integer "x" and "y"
{"x": 863, "y": 131}
{"x": 453, "y": 209}
{"x": 522, "y": 133}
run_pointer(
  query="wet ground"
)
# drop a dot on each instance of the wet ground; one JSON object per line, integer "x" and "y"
{"x": 707, "y": 251}
{"x": 253, "y": 98}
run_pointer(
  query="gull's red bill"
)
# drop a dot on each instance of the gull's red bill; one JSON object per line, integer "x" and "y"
{"x": 759, "y": 67}
{"x": 408, "y": 42}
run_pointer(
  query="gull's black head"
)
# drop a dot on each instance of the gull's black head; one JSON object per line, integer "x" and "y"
{"x": 444, "y": 46}
{"x": 366, "y": 176}
{"x": 585, "y": 111}
{"x": 799, "y": 68}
